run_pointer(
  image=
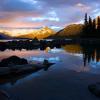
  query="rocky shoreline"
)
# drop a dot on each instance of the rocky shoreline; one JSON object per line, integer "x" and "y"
{"x": 17, "y": 66}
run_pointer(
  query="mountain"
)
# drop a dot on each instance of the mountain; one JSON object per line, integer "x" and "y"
{"x": 39, "y": 34}
{"x": 72, "y": 30}
{"x": 3, "y": 36}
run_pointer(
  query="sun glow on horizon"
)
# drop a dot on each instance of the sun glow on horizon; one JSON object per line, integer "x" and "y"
{"x": 28, "y": 33}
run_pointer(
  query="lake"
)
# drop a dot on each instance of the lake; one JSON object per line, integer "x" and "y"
{"x": 73, "y": 57}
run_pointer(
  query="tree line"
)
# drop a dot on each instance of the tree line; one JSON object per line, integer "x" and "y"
{"x": 91, "y": 28}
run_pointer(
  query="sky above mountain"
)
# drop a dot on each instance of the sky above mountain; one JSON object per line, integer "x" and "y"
{"x": 51, "y": 13}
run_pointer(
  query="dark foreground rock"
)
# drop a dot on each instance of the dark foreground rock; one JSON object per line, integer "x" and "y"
{"x": 13, "y": 60}
{"x": 4, "y": 95}
{"x": 95, "y": 89}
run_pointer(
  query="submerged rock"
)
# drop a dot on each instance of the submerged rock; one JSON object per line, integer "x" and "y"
{"x": 47, "y": 64}
{"x": 95, "y": 89}
{"x": 13, "y": 60}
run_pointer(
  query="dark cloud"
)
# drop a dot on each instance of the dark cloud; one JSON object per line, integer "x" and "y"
{"x": 59, "y": 3}
{"x": 16, "y": 5}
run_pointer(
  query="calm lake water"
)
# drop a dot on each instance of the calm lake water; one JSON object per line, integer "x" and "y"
{"x": 75, "y": 57}
{"x": 85, "y": 57}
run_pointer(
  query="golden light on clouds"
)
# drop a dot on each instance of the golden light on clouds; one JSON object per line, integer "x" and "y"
{"x": 38, "y": 13}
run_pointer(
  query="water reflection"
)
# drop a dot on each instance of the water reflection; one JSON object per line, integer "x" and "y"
{"x": 12, "y": 79}
{"x": 41, "y": 59}
{"x": 73, "y": 48}
{"x": 53, "y": 50}
{"x": 91, "y": 53}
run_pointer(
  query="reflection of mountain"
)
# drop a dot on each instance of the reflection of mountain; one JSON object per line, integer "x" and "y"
{"x": 72, "y": 48}
{"x": 72, "y": 30}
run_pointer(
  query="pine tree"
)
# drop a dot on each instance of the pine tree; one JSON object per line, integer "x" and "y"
{"x": 90, "y": 21}
{"x": 86, "y": 20}
{"x": 94, "y": 28}
{"x": 90, "y": 27}
{"x": 94, "y": 24}
{"x": 98, "y": 26}
{"x": 84, "y": 33}
{"x": 98, "y": 22}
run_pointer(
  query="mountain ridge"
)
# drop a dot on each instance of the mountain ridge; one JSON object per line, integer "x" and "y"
{"x": 39, "y": 34}
{"x": 4, "y": 36}
{"x": 72, "y": 30}
{"x": 31, "y": 34}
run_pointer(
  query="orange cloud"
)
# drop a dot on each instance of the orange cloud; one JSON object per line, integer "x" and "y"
{"x": 10, "y": 19}
{"x": 21, "y": 24}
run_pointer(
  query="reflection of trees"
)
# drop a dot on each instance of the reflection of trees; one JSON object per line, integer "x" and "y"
{"x": 72, "y": 48}
{"x": 90, "y": 53}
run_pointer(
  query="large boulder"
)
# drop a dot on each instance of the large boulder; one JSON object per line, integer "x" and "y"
{"x": 13, "y": 60}
{"x": 95, "y": 89}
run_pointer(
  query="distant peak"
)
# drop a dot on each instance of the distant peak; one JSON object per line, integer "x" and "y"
{"x": 46, "y": 27}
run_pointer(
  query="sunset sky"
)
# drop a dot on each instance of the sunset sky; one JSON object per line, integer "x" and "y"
{"x": 51, "y": 13}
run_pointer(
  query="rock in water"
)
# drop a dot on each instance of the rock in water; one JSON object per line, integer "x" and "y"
{"x": 13, "y": 60}
{"x": 95, "y": 89}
